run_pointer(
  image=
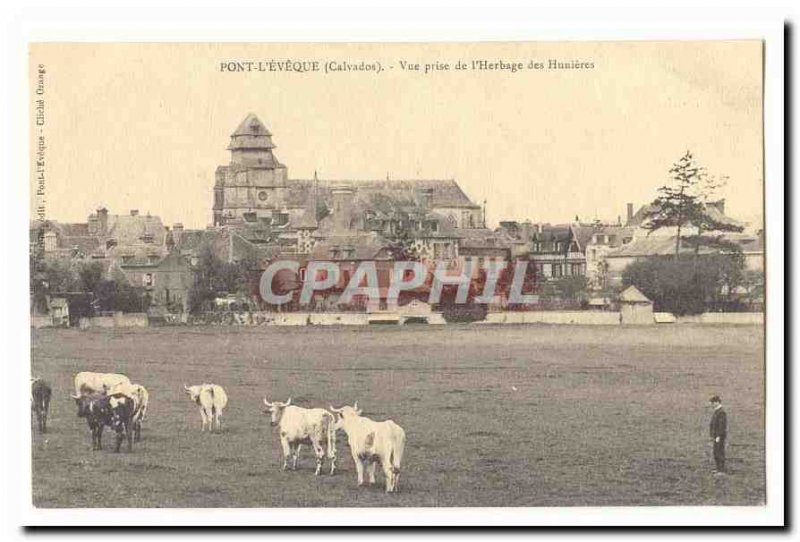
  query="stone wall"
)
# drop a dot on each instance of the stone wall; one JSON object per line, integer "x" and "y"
{"x": 553, "y": 317}
{"x": 742, "y": 318}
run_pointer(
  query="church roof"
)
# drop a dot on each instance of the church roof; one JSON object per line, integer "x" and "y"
{"x": 251, "y": 134}
{"x": 251, "y": 126}
{"x": 445, "y": 192}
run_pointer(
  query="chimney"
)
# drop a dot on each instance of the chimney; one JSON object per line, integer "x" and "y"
{"x": 134, "y": 212}
{"x": 425, "y": 197}
{"x": 630, "y": 212}
{"x": 343, "y": 197}
{"x": 92, "y": 224}
{"x": 102, "y": 221}
{"x": 177, "y": 232}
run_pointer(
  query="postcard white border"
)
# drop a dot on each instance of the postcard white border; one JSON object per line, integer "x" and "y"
{"x": 153, "y": 21}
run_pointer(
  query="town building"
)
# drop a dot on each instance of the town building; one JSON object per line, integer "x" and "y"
{"x": 254, "y": 194}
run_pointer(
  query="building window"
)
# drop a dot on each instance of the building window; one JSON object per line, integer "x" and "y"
{"x": 127, "y": 259}
{"x": 303, "y": 274}
{"x": 148, "y": 280}
{"x": 557, "y": 270}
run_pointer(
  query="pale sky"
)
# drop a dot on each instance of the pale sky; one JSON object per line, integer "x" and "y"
{"x": 144, "y": 126}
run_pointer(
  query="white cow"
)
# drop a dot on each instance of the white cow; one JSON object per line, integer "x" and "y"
{"x": 140, "y": 398}
{"x": 298, "y": 426}
{"x": 211, "y": 399}
{"x": 88, "y": 382}
{"x": 371, "y": 443}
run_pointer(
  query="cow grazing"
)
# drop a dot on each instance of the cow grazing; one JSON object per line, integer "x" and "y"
{"x": 40, "y": 402}
{"x": 298, "y": 426}
{"x": 371, "y": 443}
{"x": 140, "y": 398}
{"x": 211, "y": 399}
{"x": 101, "y": 410}
{"x": 88, "y": 382}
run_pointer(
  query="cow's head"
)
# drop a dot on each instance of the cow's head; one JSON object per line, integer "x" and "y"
{"x": 87, "y": 404}
{"x": 193, "y": 392}
{"x": 345, "y": 413}
{"x": 275, "y": 410}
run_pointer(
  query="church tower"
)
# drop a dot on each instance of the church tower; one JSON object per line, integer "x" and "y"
{"x": 252, "y": 187}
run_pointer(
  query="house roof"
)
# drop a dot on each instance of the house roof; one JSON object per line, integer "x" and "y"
{"x": 361, "y": 246}
{"x": 632, "y": 295}
{"x": 484, "y": 238}
{"x": 664, "y": 245}
{"x": 226, "y": 243}
{"x": 583, "y": 234}
{"x": 131, "y": 229}
{"x": 713, "y": 212}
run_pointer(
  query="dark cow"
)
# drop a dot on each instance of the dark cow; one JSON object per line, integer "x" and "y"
{"x": 115, "y": 411}
{"x": 40, "y": 402}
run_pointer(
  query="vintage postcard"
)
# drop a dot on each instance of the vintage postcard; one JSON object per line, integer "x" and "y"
{"x": 343, "y": 275}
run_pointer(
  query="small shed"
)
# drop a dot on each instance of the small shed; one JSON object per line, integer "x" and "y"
{"x": 635, "y": 307}
{"x": 59, "y": 311}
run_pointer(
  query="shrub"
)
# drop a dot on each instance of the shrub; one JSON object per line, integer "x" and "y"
{"x": 687, "y": 285}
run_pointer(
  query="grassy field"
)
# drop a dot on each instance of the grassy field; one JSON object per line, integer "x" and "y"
{"x": 596, "y": 415}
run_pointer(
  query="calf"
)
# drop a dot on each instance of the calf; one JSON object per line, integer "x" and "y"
{"x": 371, "y": 443}
{"x": 40, "y": 402}
{"x": 100, "y": 410}
{"x": 298, "y": 426}
{"x": 88, "y": 382}
{"x": 211, "y": 399}
{"x": 140, "y": 397}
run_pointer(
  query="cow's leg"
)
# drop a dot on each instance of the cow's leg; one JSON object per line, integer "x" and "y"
{"x": 296, "y": 456}
{"x": 203, "y": 420}
{"x": 388, "y": 473}
{"x": 137, "y": 431}
{"x": 359, "y": 468}
{"x": 287, "y": 451}
{"x": 219, "y": 422}
{"x": 129, "y": 434}
{"x": 120, "y": 437}
{"x": 319, "y": 452}
{"x": 371, "y": 466}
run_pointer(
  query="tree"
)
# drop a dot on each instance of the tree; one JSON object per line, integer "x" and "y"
{"x": 685, "y": 203}
{"x": 214, "y": 277}
{"x": 687, "y": 286}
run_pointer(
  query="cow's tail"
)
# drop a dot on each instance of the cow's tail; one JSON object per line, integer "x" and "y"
{"x": 331, "y": 437}
{"x": 143, "y": 400}
{"x": 396, "y": 454}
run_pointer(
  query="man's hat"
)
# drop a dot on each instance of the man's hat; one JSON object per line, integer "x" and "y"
{"x": 715, "y": 399}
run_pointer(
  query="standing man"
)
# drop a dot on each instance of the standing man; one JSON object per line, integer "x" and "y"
{"x": 719, "y": 430}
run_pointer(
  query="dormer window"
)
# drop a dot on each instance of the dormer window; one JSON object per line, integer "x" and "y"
{"x": 147, "y": 237}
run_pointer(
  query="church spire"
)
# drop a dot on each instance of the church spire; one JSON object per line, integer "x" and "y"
{"x": 251, "y": 144}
